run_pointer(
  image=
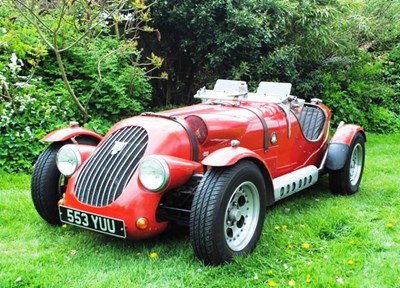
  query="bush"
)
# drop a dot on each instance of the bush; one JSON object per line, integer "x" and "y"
{"x": 306, "y": 43}
{"x": 24, "y": 123}
{"x": 34, "y": 100}
{"x": 123, "y": 90}
{"x": 391, "y": 72}
{"x": 356, "y": 92}
{"x": 382, "y": 120}
{"x": 247, "y": 40}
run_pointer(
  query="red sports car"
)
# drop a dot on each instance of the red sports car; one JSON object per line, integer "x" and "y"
{"x": 214, "y": 167}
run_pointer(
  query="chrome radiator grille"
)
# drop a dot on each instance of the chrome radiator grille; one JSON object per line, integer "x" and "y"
{"x": 109, "y": 169}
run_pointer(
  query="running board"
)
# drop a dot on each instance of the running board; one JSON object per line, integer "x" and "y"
{"x": 295, "y": 181}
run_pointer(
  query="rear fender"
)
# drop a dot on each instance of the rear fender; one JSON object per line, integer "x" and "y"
{"x": 229, "y": 156}
{"x": 339, "y": 145}
{"x": 70, "y": 133}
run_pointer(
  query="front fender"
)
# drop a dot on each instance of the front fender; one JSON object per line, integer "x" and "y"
{"x": 228, "y": 156}
{"x": 64, "y": 134}
{"x": 339, "y": 145}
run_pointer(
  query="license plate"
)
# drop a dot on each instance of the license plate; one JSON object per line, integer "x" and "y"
{"x": 92, "y": 221}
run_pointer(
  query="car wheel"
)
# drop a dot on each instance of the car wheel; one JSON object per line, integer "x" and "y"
{"x": 227, "y": 212}
{"x": 47, "y": 184}
{"x": 347, "y": 180}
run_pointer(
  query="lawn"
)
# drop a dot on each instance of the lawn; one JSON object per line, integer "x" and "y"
{"x": 313, "y": 239}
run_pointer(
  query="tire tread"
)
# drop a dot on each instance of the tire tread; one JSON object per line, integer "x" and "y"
{"x": 44, "y": 170}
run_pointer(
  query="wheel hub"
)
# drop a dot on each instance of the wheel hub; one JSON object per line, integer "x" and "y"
{"x": 356, "y": 162}
{"x": 235, "y": 215}
{"x": 241, "y": 216}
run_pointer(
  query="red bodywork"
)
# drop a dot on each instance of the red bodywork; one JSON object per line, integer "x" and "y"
{"x": 268, "y": 133}
{"x": 345, "y": 133}
{"x": 64, "y": 134}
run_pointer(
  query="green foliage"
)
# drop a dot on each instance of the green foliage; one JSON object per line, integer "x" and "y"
{"x": 391, "y": 72}
{"x": 25, "y": 110}
{"x": 104, "y": 71}
{"x": 356, "y": 92}
{"x": 121, "y": 88}
{"x": 67, "y": 25}
{"x": 24, "y": 123}
{"x": 384, "y": 25}
{"x": 279, "y": 65}
{"x": 322, "y": 47}
{"x": 20, "y": 52}
{"x": 251, "y": 40}
{"x": 20, "y": 39}
{"x": 382, "y": 120}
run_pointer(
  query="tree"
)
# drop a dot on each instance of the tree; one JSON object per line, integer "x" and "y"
{"x": 249, "y": 40}
{"x": 65, "y": 24}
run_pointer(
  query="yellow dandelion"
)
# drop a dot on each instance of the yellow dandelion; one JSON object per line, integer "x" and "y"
{"x": 292, "y": 283}
{"x": 352, "y": 242}
{"x": 64, "y": 226}
{"x": 290, "y": 246}
{"x": 153, "y": 255}
{"x": 270, "y": 272}
{"x": 272, "y": 283}
{"x": 277, "y": 227}
{"x": 308, "y": 278}
{"x": 350, "y": 262}
{"x": 390, "y": 225}
{"x": 306, "y": 246}
{"x": 284, "y": 227}
{"x": 302, "y": 226}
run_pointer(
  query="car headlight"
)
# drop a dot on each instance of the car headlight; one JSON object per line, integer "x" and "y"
{"x": 68, "y": 160}
{"x": 154, "y": 173}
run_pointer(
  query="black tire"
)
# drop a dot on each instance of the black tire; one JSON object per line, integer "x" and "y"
{"x": 47, "y": 184}
{"x": 346, "y": 181}
{"x": 228, "y": 212}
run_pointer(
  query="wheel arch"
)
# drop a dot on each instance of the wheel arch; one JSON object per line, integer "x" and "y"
{"x": 269, "y": 187}
{"x": 339, "y": 145}
{"x": 69, "y": 133}
{"x": 231, "y": 155}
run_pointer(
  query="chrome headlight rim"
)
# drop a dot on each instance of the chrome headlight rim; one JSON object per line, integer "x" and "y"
{"x": 68, "y": 154}
{"x": 158, "y": 165}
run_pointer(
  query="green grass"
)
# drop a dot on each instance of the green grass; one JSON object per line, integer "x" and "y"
{"x": 348, "y": 236}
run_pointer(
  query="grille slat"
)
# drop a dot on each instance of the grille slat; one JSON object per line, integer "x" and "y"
{"x": 100, "y": 164}
{"x": 109, "y": 169}
{"x": 99, "y": 168}
{"x": 90, "y": 167}
{"x": 121, "y": 173}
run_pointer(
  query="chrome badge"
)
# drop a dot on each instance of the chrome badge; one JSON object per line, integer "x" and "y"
{"x": 274, "y": 138}
{"x": 118, "y": 146}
